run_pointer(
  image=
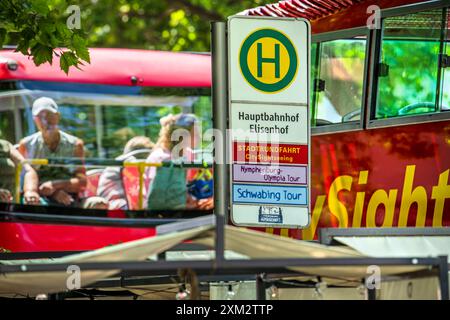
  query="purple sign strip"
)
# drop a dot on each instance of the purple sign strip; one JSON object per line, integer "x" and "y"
{"x": 269, "y": 174}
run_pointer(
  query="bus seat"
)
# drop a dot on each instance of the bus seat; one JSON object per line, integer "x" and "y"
{"x": 130, "y": 177}
{"x": 130, "y": 180}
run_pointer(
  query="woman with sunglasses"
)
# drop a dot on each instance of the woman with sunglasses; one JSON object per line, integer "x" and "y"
{"x": 167, "y": 186}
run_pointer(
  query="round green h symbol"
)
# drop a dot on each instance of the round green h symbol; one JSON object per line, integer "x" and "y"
{"x": 253, "y": 80}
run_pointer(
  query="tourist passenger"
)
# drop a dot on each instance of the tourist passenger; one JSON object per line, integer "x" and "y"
{"x": 59, "y": 185}
{"x": 168, "y": 185}
{"x": 110, "y": 184}
{"x": 9, "y": 159}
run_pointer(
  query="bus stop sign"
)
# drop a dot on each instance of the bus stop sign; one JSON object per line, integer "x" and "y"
{"x": 268, "y": 66}
{"x": 254, "y": 53}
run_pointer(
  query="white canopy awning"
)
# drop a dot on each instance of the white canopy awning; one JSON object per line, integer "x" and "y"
{"x": 399, "y": 247}
{"x": 33, "y": 283}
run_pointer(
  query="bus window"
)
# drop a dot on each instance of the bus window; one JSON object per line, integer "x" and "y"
{"x": 104, "y": 121}
{"x": 121, "y": 123}
{"x": 11, "y": 104}
{"x": 7, "y": 126}
{"x": 338, "y": 84}
{"x": 313, "y": 76}
{"x": 408, "y": 70}
{"x": 79, "y": 120}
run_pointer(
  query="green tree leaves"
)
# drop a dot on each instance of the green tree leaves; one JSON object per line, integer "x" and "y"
{"x": 41, "y": 53}
{"x": 39, "y": 29}
{"x": 68, "y": 59}
{"x": 80, "y": 47}
{"x": 40, "y": 7}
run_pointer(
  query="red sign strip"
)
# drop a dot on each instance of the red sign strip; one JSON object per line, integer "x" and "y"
{"x": 246, "y": 152}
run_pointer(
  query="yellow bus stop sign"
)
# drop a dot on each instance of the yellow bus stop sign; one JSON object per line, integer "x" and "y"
{"x": 268, "y": 60}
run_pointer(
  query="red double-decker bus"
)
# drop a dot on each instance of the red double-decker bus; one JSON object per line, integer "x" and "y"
{"x": 379, "y": 104}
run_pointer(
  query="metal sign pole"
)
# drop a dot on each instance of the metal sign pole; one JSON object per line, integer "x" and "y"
{"x": 443, "y": 277}
{"x": 220, "y": 112}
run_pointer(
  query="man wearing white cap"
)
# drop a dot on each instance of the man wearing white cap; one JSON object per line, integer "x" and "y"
{"x": 57, "y": 184}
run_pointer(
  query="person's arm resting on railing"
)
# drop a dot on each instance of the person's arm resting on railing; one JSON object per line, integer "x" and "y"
{"x": 31, "y": 180}
{"x": 60, "y": 189}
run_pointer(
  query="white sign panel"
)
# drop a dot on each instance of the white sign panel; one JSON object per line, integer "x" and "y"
{"x": 277, "y": 174}
{"x": 267, "y": 123}
{"x": 268, "y": 61}
{"x": 276, "y": 216}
